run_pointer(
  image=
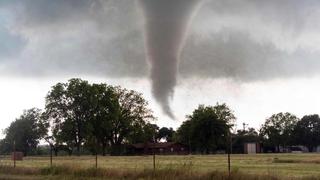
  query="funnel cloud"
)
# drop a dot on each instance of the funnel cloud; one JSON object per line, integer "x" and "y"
{"x": 246, "y": 41}
{"x": 166, "y": 24}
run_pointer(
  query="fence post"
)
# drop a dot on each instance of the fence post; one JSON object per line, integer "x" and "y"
{"x": 96, "y": 160}
{"x": 229, "y": 152}
{"x": 50, "y": 155}
{"x": 14, "y": 154}
{"x": 96, "y": 153}
{"x": 154, "y": 153}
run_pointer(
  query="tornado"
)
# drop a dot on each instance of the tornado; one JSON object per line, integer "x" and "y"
{"x": 166, "y": 26}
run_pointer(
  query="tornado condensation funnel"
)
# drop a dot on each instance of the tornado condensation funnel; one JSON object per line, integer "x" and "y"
{"x": 166, "y": 25}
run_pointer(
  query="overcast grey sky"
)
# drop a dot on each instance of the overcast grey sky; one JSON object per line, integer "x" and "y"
{"x": 260, "y": 57}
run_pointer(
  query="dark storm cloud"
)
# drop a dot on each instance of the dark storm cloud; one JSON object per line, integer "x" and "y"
{"x": 71, "y": 37}
{"x": 247, "y": 40}
{"x": 10, "y": 45}
{"x": 285, "y": 11}
{"x": 225, "y": 55}
{"x": 111, "y": 14}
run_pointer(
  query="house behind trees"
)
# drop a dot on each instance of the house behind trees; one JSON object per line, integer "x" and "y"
{"x": 162, "y": 148}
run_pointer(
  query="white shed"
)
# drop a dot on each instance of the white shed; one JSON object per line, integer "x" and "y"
{"x": 251, "y": 148}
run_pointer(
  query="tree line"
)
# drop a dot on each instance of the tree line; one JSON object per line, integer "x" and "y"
{"x": 283, "y": 130}
{"x": 80, "y": 117}
{"x": 78, "y": 114}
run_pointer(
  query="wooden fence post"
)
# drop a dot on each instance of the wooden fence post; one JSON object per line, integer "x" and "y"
{"x": 96, "y": 153}
{"x": 229, "y": 152}
{"x": 14, "y": 154}
{"x": 50, "y": 155}
{"x": 154, "y": 153}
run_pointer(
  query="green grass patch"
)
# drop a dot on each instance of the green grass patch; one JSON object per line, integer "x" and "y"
{"x": 260, "y": 166}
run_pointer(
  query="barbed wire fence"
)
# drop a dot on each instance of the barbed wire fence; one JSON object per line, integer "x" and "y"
{"x": 7, "y": 160}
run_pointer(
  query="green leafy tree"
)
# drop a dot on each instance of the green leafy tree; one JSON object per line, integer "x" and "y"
{"x": 206, "y": 128}
{"x": 184, "y": 134}
{"x": 68, "y": 106}
{"x": 26, "y": 131}
{"x": 144, "y": 133}
{"x": 165, "y": 134}
{"x": 150, "y": 132}
{"x": 278, "y": 130}
{"x": 307, "y": 131}
{"x": 242, "y": 137}
{"x": 55, "y": 115}
{"x": 224, "y": 113}
{"x": 95, "y": 115}
{"x": 4, "y": 147}
{"x": 103, "y": 105}
{"x": 131, "y": 114}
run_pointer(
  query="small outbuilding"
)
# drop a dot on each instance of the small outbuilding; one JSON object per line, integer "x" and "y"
{"x": 162, "y": 148}
{"x": 252, "y": 148}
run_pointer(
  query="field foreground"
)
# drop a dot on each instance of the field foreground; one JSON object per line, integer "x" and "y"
{"x": 260, "y": 166}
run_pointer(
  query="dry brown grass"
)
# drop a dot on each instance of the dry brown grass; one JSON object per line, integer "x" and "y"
{"x": 297, "y": 161}
{"x": 251, "y": 167}
{"x": 184, "y": 173}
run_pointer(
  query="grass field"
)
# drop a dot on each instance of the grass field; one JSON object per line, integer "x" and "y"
{"x": 261, "y": 166}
